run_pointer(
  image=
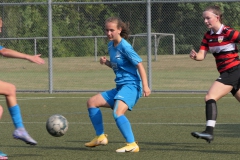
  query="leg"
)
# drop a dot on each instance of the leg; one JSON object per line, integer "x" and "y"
{"x": 2, "y": 155}
{"x": 125, "y": 99}
{"x": 125, "y": 127}
{"x": 9, "y": 91}
{"x": 217, "y": 91}
{"x": 95, "y": 116}
{"x": 122, "y": 122}
{"x": 97, "y": 101}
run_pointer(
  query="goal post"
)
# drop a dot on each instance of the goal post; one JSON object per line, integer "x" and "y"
{"x": 157, "y": 37}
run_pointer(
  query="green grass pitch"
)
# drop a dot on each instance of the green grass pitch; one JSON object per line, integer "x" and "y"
{"x": 162, "y": 124}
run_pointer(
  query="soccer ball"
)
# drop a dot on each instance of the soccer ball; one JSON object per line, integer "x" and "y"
{"x": 57, "y": 125}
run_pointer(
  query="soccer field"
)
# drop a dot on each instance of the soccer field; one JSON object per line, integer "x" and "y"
{"x": 162, "y": 124}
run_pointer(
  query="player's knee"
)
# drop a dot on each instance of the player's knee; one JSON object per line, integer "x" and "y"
{"x": 208, "y": 97}
{"x": 11, "y": 91}
{"x": 95, "y": 101}
{"x": 90, "y": 102}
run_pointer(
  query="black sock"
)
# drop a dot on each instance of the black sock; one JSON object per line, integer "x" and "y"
{"x": 211, "y": 110}
{"x": 209, "y": 130}
{"x": 211, "y": 114}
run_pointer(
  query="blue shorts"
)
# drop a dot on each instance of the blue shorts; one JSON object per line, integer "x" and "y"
{"x": 129, "y": 94}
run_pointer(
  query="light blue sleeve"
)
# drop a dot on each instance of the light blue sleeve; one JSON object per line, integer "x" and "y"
{"x": 1, "y": 47}
{"x": 132, "y": 56}
{"x": 130, "y": 53}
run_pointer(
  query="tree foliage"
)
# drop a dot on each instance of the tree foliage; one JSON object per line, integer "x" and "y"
{"x": 182, "y": 19}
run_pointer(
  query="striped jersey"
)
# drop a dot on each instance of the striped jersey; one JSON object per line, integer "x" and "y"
{"x": 222, "y": 46}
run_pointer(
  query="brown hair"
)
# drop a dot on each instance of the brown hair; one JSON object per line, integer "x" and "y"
{"x": 216, "y": 10}
{"x": 120, "y": 24}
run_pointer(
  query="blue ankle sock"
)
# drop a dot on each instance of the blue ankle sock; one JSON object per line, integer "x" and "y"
{"x": 125, "y": 128}
{"x": 95, "y": 115}
{"x": 15, "y": 113}
{"x": 2, "y": 154}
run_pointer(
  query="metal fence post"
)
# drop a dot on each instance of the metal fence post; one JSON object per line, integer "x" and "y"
{"x": 149, "y": 44}
{"x": 95, "y": 48}
{"x": 50, "y": 46}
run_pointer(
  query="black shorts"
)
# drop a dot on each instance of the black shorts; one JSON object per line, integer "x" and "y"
{"x": 231, "y": 77}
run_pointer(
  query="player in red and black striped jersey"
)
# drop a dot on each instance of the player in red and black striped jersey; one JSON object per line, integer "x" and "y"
{"x": 222, "y": 46}
{"x": 221, "y": 41}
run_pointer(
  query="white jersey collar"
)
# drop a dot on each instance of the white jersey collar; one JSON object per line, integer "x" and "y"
{"x": 219, "y": 31}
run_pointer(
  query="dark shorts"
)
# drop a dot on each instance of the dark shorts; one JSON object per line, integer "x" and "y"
{"x": 231, "y": 77}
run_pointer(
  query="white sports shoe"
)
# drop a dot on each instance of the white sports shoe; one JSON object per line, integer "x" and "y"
{"x": 99, "y": 140}
{"x": 22, "y": 134}
{"x": 130, "y": 147}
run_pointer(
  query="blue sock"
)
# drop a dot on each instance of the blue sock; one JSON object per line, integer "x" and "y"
{"x": 15, "y": 113}
{"x": 125, "y": 128}
{"x": 95, "y": 115}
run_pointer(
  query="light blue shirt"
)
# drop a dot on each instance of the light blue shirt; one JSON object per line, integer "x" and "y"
{"x": 1, "y": 47}
{"x": 124, "y": 60}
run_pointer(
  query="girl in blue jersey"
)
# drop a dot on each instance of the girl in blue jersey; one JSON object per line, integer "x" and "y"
{"x": 131, "y": 83}
{"x": 9, "y": 91}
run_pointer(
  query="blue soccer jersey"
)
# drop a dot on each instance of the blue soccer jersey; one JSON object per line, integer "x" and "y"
{"x": 124, "y": 60}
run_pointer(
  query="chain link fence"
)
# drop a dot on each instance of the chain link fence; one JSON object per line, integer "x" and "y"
{"x": 70, "y": 37}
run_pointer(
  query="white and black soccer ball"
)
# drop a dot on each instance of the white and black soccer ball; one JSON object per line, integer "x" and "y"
{"x": 57, "y": 125}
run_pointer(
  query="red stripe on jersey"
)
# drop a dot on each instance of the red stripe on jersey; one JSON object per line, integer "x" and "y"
{"x": 223, "y": 47}
{"x": 226, "y": 62}
{"x": 222, "y": 56}
{"x": 235, "y": 36}
{"x": 233, "y": 64}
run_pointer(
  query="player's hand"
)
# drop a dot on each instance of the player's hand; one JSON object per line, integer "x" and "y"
{"x": 103, "y": 60}
{"x": 36, "y": 59}
{"x": 193, "y": 54}
{"x": 146, "y": 91}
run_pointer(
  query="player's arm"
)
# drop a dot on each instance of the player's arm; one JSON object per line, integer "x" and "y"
{"x": 198, "y": 56}
{"x": 103, "y": 60}
{"x": 15, "y": 54}
{"x": 143, "y": 75}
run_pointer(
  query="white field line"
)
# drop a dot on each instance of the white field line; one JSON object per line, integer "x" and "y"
{"x": 34, "y": 98}
{"x": 89, "y": 123}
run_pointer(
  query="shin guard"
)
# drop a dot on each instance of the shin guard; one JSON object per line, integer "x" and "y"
{"x": 211, "y": 110}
